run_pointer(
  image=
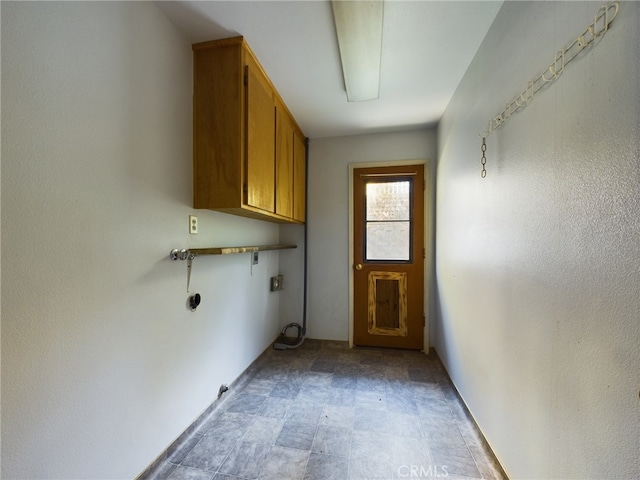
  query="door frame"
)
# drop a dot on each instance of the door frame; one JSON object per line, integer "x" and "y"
{"x": 427, "y": 239}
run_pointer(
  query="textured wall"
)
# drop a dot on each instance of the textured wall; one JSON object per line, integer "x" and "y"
{"x": 103, "y": 365}
{"x": 538, "y": 264}
{"x": 328, "y": 226}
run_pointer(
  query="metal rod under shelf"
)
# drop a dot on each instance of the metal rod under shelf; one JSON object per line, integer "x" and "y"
{"x": 184, "y": 254}
{"x": 233, "y": 250}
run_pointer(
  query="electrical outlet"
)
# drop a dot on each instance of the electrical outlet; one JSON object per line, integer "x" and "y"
{"x": 276, "y": 283}
{"x": 255, "y": 258}
{"x": 193, "y": 224}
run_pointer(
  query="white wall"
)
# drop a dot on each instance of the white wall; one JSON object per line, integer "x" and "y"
{"x": 292, "y": 267}
{"x": 328, "y": 223}
{"x": 103, "y": 365}
{"x": 538, "y": 264}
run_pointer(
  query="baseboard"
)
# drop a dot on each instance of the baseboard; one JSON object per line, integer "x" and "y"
{"x": 469, "y": 415}
{"x": 156, "y": 469}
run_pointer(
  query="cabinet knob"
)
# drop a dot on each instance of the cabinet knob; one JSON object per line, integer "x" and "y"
{"x": 358, "y": 266}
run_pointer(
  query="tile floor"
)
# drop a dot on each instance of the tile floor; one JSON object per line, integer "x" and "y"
{"x": 327, "y": 412}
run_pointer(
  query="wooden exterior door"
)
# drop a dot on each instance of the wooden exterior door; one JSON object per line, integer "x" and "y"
{"x": 388, "y": 218}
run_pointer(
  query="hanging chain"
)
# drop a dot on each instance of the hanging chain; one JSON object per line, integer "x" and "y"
{"x": 484, "y": 158}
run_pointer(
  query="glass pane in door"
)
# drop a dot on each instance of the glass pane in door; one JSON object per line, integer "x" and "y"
{"x": 388, "y": 221}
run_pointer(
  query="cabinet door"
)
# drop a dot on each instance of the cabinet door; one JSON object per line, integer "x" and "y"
{"x": 284, "y": 164}
{"x": 260, "y": 168}
{"x": 299, "y": 178}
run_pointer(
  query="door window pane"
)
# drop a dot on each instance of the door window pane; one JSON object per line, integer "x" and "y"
{"x": 388, "y": 240}
{"x": 388, "y": 201}
{"x": 388, "y": 221}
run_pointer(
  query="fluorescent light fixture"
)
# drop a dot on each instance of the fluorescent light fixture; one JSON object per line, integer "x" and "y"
{"x": 359, "y": 29}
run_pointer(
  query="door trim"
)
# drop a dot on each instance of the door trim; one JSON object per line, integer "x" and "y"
{"x": 427, "y": 238}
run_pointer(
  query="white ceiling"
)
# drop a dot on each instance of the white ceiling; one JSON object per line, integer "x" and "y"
{"x": 427, "y": 47}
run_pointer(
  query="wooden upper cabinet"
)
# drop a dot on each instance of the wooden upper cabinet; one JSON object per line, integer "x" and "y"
{"x": 260, "y": 162}
{"x": 284, "y": 163}
{"x": 247, "y": 146}
{"x": 299, "y": 177}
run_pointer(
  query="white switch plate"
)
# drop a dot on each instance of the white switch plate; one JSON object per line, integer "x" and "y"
{"x": 193, "y": 224}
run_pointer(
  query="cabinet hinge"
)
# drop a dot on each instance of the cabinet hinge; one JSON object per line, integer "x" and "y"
{"x": 245, "y": 189}
{"x": 424, "y": 253}
{"x": 424, "y": 321}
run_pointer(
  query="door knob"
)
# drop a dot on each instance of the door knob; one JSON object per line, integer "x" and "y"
{"x": 358, "y": 266}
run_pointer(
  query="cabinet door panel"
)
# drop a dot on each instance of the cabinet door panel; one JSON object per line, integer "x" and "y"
{"x": 299, "y": 178}
{"x": 260, "y": 169}
{"x": 284, "y": 164}
{"x": 218, "y": 120}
